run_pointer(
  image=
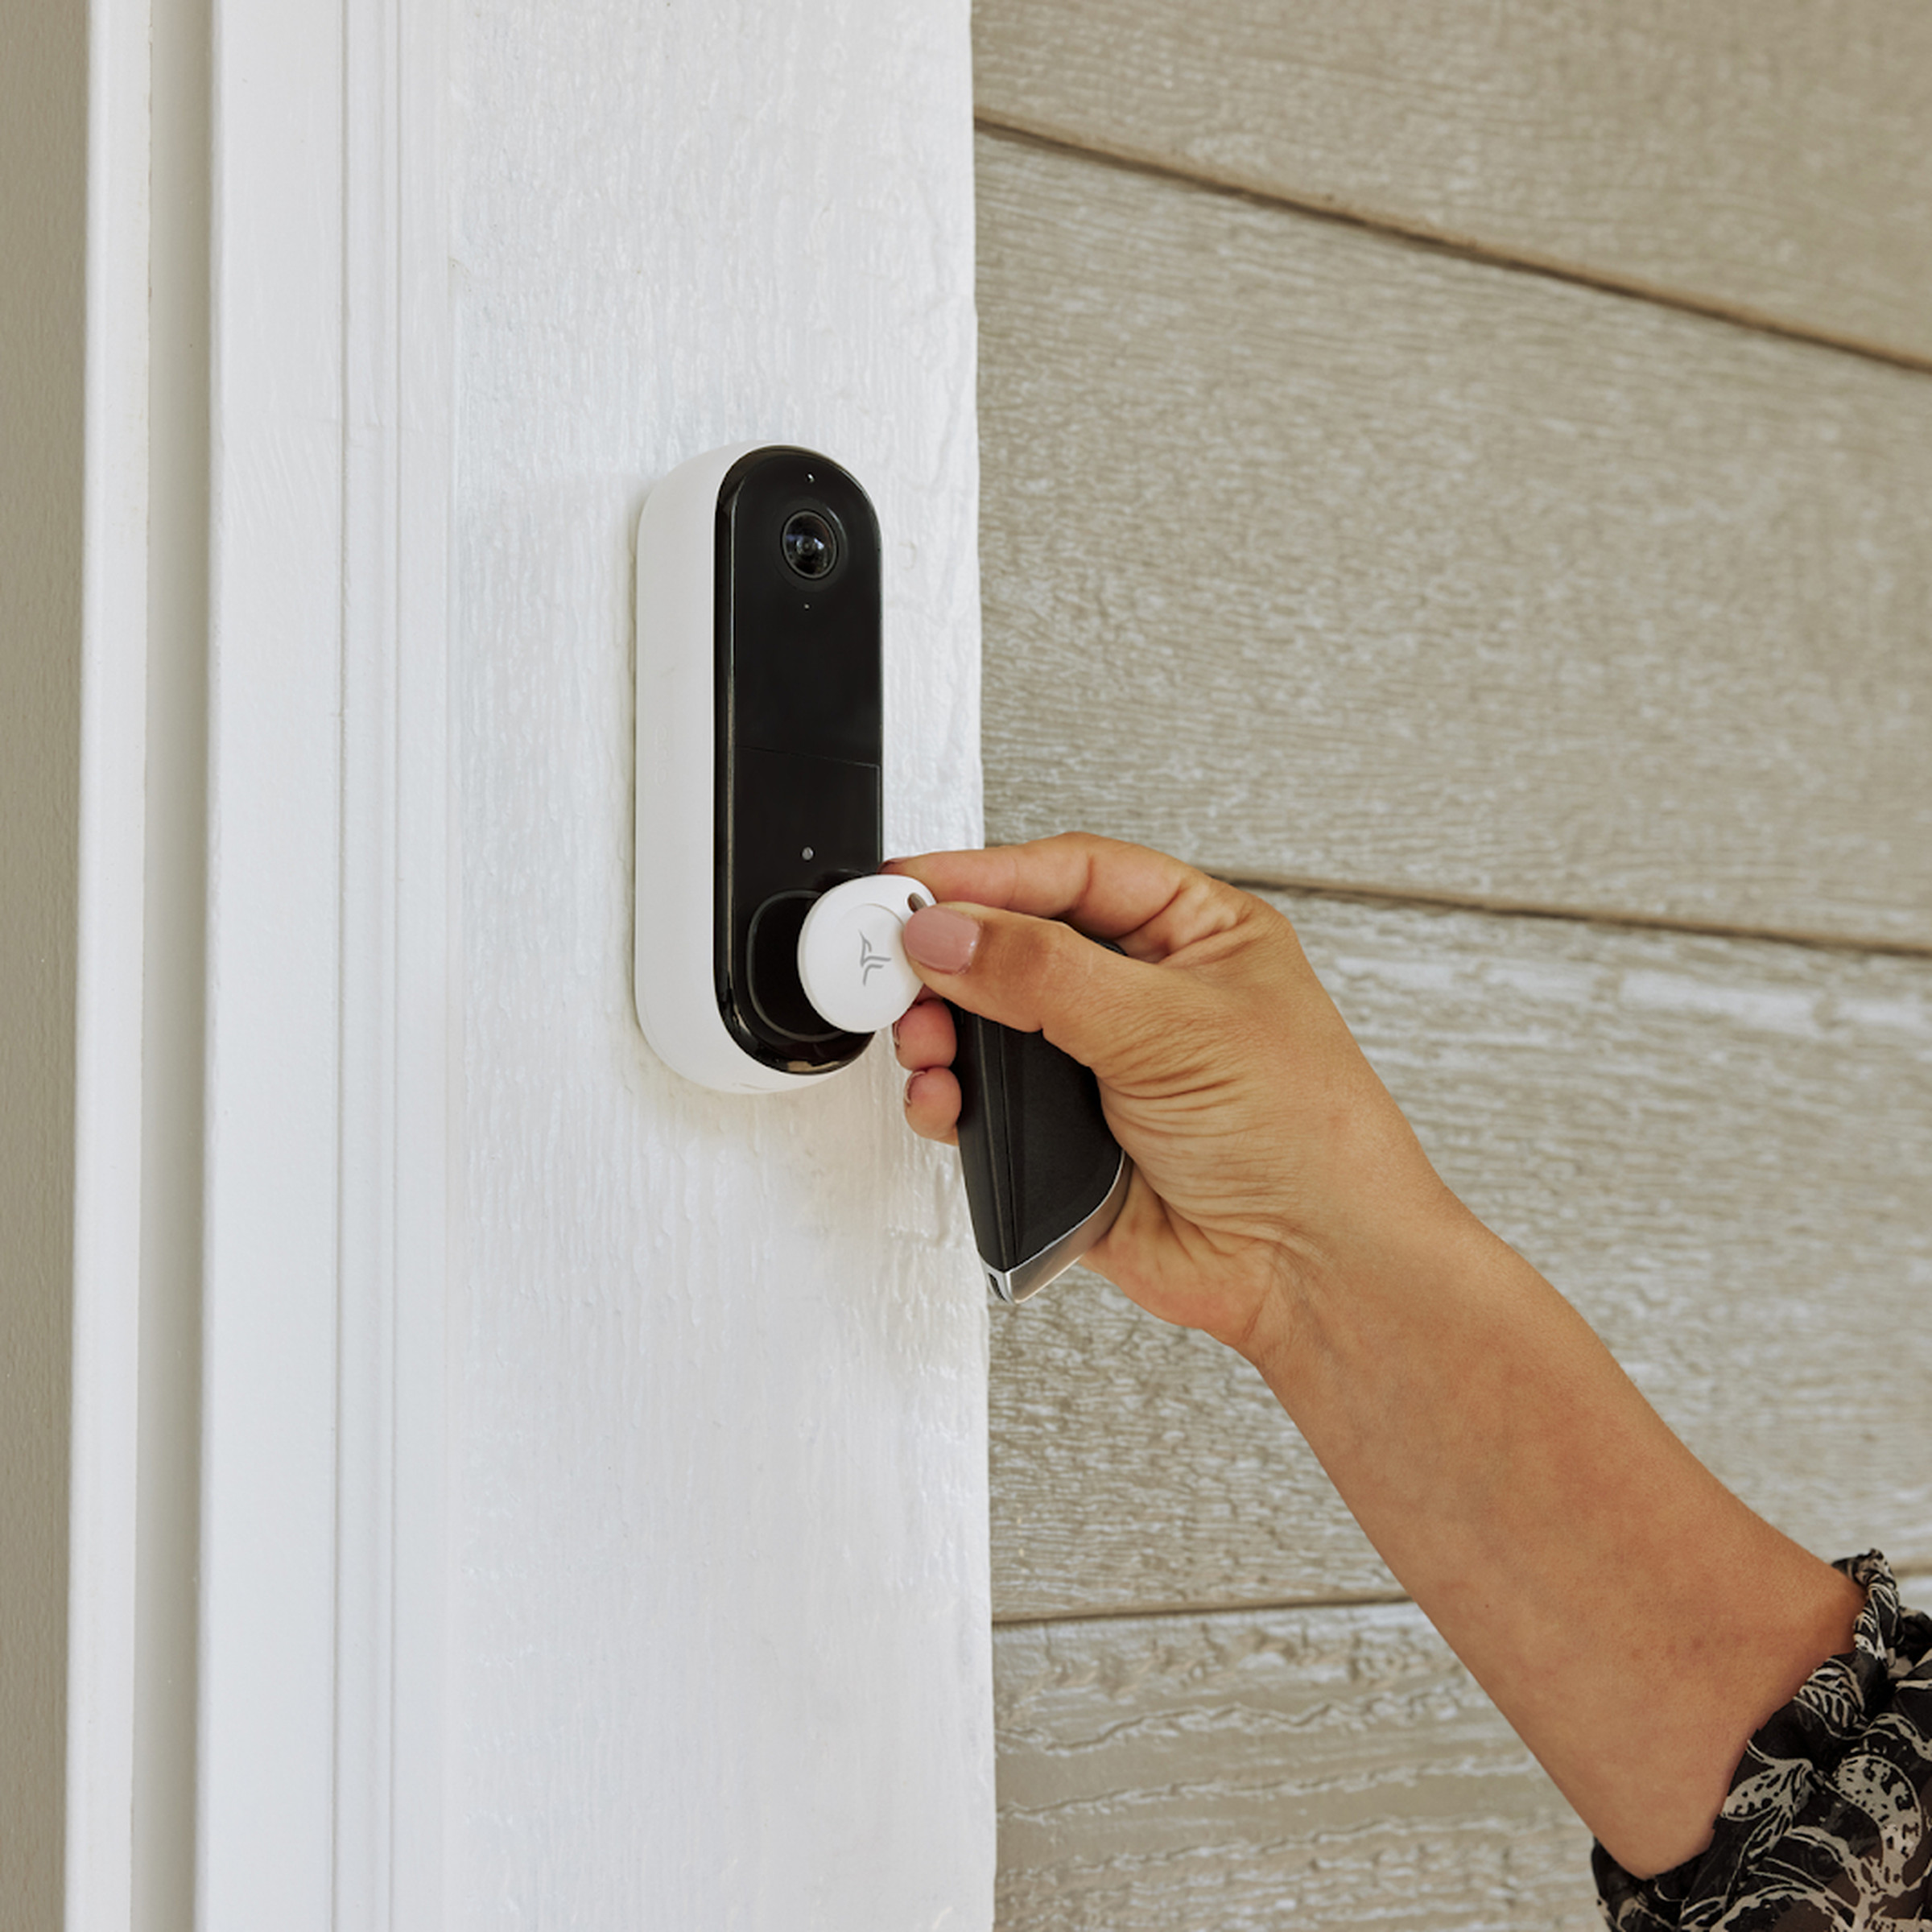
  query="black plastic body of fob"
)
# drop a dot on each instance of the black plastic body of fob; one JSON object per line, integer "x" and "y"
{"x": 1045, "y": 1178}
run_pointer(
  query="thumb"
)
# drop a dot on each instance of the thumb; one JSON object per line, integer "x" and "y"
{"x": 1038, "y": 975}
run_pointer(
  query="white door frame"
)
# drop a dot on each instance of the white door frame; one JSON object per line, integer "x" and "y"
{"x": 326, "y": 1216}
{"x": 328, "y": 1003}
{"x": 331, "y": 1006}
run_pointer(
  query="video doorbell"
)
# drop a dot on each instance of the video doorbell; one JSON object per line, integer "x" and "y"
{"x": 767, "y": 941}
{"x": 760, "y": 724}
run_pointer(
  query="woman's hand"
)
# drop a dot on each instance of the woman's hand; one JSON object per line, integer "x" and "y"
{"x": 1633, "y": 1620}
{"x": 1269, "y": 1159}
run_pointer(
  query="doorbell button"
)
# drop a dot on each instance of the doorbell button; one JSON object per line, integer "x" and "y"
{"x": 852, "y": 955}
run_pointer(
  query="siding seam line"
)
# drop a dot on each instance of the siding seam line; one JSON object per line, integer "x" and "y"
{"x": 1914, "y": 1585}
{"x": 1581, "y": 915}
{"x": 1758, "y": 322}
{"x": 1242, "y": 1607}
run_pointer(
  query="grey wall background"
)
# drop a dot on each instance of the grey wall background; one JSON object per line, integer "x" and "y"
{"x": 42, "y": 209}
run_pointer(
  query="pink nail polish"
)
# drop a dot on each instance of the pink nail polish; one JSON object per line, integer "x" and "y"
{"x": 941, "y": 939}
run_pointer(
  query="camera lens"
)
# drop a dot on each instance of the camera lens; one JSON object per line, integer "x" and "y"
{"x": 810, "y": 544}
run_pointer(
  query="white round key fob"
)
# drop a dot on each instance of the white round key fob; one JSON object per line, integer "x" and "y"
{"x": 852, "y": 959}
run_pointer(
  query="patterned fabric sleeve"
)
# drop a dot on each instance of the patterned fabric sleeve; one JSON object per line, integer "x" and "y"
{"x": 1829, "y": 1821}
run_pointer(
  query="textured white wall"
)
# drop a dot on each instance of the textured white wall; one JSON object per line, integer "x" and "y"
{"x": 721, "y": 1620}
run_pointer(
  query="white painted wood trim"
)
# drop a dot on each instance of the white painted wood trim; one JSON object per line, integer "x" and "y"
{"x": 108, "y": 996}
{"x": 721, "y": 1625}
{"x": 331, "y": 1706}
{"x": 330, "y": 1004}
{"x": 401, "y": 998}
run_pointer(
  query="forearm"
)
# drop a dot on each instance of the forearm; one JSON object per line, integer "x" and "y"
{"x": 1632, "y": 1618}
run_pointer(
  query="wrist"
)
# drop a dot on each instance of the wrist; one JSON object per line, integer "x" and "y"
{"x": 1386, "y": 1280}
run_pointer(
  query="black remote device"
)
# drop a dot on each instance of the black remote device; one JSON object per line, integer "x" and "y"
{"x": 1045, "y": 1177}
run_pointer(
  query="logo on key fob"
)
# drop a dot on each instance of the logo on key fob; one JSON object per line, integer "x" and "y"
{"x": 870, "y": 961}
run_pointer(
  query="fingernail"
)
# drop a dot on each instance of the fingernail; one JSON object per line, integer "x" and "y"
{"x": 940, "y": 938}
{"x": 905, "y": 1097}
{"x": 895, "y": 1033}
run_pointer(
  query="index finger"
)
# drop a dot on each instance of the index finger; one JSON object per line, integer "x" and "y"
{"x": 1150, "y": 904}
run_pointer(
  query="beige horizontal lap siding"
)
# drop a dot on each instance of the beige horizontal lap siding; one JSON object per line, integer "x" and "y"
{"x": 1315, "y": 556}
{"x": 1305, "y": 1768}
{"x": 1719, "y": 1148}
{"x": 1771, "y": 158}
{"x": 1321, "y": 554}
